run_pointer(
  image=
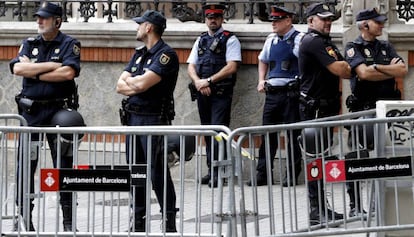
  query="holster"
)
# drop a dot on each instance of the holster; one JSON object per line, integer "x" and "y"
{"x": 123, "y": 113}
{"x": 193, "y": 91}
{"x": 24, "y": 104}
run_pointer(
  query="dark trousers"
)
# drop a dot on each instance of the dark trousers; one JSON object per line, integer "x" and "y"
{"x": 315, "y": 188}
{"x": 281, "y": 108}
{"x": 38, "y": 119}
{"x": 214, "y": 110}
{"x": 136, "y": 151}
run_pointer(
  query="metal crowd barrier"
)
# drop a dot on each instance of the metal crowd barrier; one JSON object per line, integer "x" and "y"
{"x": 350, "y": 149}
{"x": 105, "y": 209}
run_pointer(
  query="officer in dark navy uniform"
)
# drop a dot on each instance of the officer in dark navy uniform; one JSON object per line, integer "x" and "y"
{"x": 375, "y": 65}
{"x": 212, "y": 67}
{"x": 48, "y": 64}
{"x": 149, "y": 81}
{"x": 321, "y": 66}
{"x": 278, "y": 78}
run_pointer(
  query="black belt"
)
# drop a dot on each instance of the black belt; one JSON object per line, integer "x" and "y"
{"x": 142, "y": 110}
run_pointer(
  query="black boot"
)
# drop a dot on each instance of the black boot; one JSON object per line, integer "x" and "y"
{"x": 26, "y": 225}
{"x": 171, "y": 227}
{"x": 138, "y": 225}
{"x": 67, "y": 218}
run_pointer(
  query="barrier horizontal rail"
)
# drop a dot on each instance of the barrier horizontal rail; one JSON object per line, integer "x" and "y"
{"x": 278, "y": 210}
{"x": 202, "y": 211}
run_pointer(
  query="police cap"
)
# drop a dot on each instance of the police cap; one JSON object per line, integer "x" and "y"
{"x": 48, "y": 9}
{"x": 319, "y": 9}
{"x": 214, "y": 10}
{"x": 278, "y": 12}
{"x": 370, "y": 15}
{"x": 152, "y": 17}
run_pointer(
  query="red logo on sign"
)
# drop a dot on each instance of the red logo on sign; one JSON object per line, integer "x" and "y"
{"x": 49, "y": 180}
{"x": 335, "y": 171}
{"x": 315, "y": 170}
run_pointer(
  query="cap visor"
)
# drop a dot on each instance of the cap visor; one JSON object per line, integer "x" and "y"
{"x": 214, "y": 15}
{"x": 380, "y": 18}
{"x": 43, "y": 14}
{"x": 139, "y": 20}
{"x": 325, "y": 14}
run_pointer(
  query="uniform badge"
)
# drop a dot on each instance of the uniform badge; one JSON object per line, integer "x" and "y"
{"x": 383, "y": 52}
{"x": 164, "y": 59}
{"x": 35, "y": 52}
{"x": 57, "y": 51}
{"x": 138, "y": 60}
{"x": 76, "y": 49}
{"x": 331, "y": 52}
{"x": 133, "y": 69}
{"x": 367, "y": 52}
{"x": 21, "y": 48}
{"x": 350, "y": 52}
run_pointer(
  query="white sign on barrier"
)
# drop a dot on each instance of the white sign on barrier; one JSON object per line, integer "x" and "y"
{"x": 400, "y": 133}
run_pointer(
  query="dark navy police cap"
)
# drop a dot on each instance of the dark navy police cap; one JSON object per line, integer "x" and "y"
{"x": 319, "y": 9}
{"x": 277, "y": 12}
{"x": 48, "y": 9}
{"x": 371, "y": 15}
{"x": 152, "y": 17}
{"x": 214, "y": 10}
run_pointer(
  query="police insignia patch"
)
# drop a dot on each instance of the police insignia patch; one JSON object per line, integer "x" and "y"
{"x": 164, "y": 59}
{"x": 331, "y": 52}
{"x": 350, "y": 52}
{"x": 76, "y": 50}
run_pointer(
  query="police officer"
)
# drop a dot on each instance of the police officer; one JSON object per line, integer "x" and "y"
{"x": 321, "y": 66}
{"x": 212, "y": 67}
{"x": 375, "y": 65}
{"x": 48, "y": 64}
{"x": 278, "y": 74}
{"x": 149, "y": 80}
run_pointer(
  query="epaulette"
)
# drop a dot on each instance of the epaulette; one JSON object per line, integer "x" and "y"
{"x": 227, "y": 33}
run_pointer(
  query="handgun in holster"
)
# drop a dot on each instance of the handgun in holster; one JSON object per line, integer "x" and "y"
{"x": 309, "y": 102}
{"x": 193, "y": 91}
{"x": 123, "y": 113}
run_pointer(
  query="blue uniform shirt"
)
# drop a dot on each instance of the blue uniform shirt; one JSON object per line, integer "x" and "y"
{"x": 63, "y": 49}
{"x": 380, "y": 52}
{"x": 316, "y": 52}
{"x": 162, "y": 60}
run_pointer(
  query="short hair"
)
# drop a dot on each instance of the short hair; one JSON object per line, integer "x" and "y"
{"x": 157, "y": 29}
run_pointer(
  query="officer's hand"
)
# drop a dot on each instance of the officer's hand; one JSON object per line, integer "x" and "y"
{"x": 260, "y": 86}
{"x": 396, "y": 60}
{"x": 24, "y": 59}
{"x": 200, "y": 84}
{"x": 205, "y": 91}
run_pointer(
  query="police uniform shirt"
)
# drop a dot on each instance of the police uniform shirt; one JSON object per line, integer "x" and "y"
{"x": 160, "y": 59}
{"x": 380, "y": 52}
{"x": 63, "y": 49}
{"x": 233, "y": 49}
{"x": 316, "y": 52}
{"x": 272, "y": 39}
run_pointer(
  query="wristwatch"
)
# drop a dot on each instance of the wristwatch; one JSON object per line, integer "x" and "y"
{"x": 375, "y": 66}
{"x": 209, "y": 80}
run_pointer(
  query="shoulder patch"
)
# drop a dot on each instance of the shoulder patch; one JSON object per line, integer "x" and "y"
{"x": 164, "y": 59}
{"x": 76, "y": 49}
{"x": 331, "y": 52}
{"x": 350, "y": 52}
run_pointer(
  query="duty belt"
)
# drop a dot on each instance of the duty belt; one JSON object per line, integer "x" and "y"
{"x": 291, "y": 86}
{"x": 142, "y": 110}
